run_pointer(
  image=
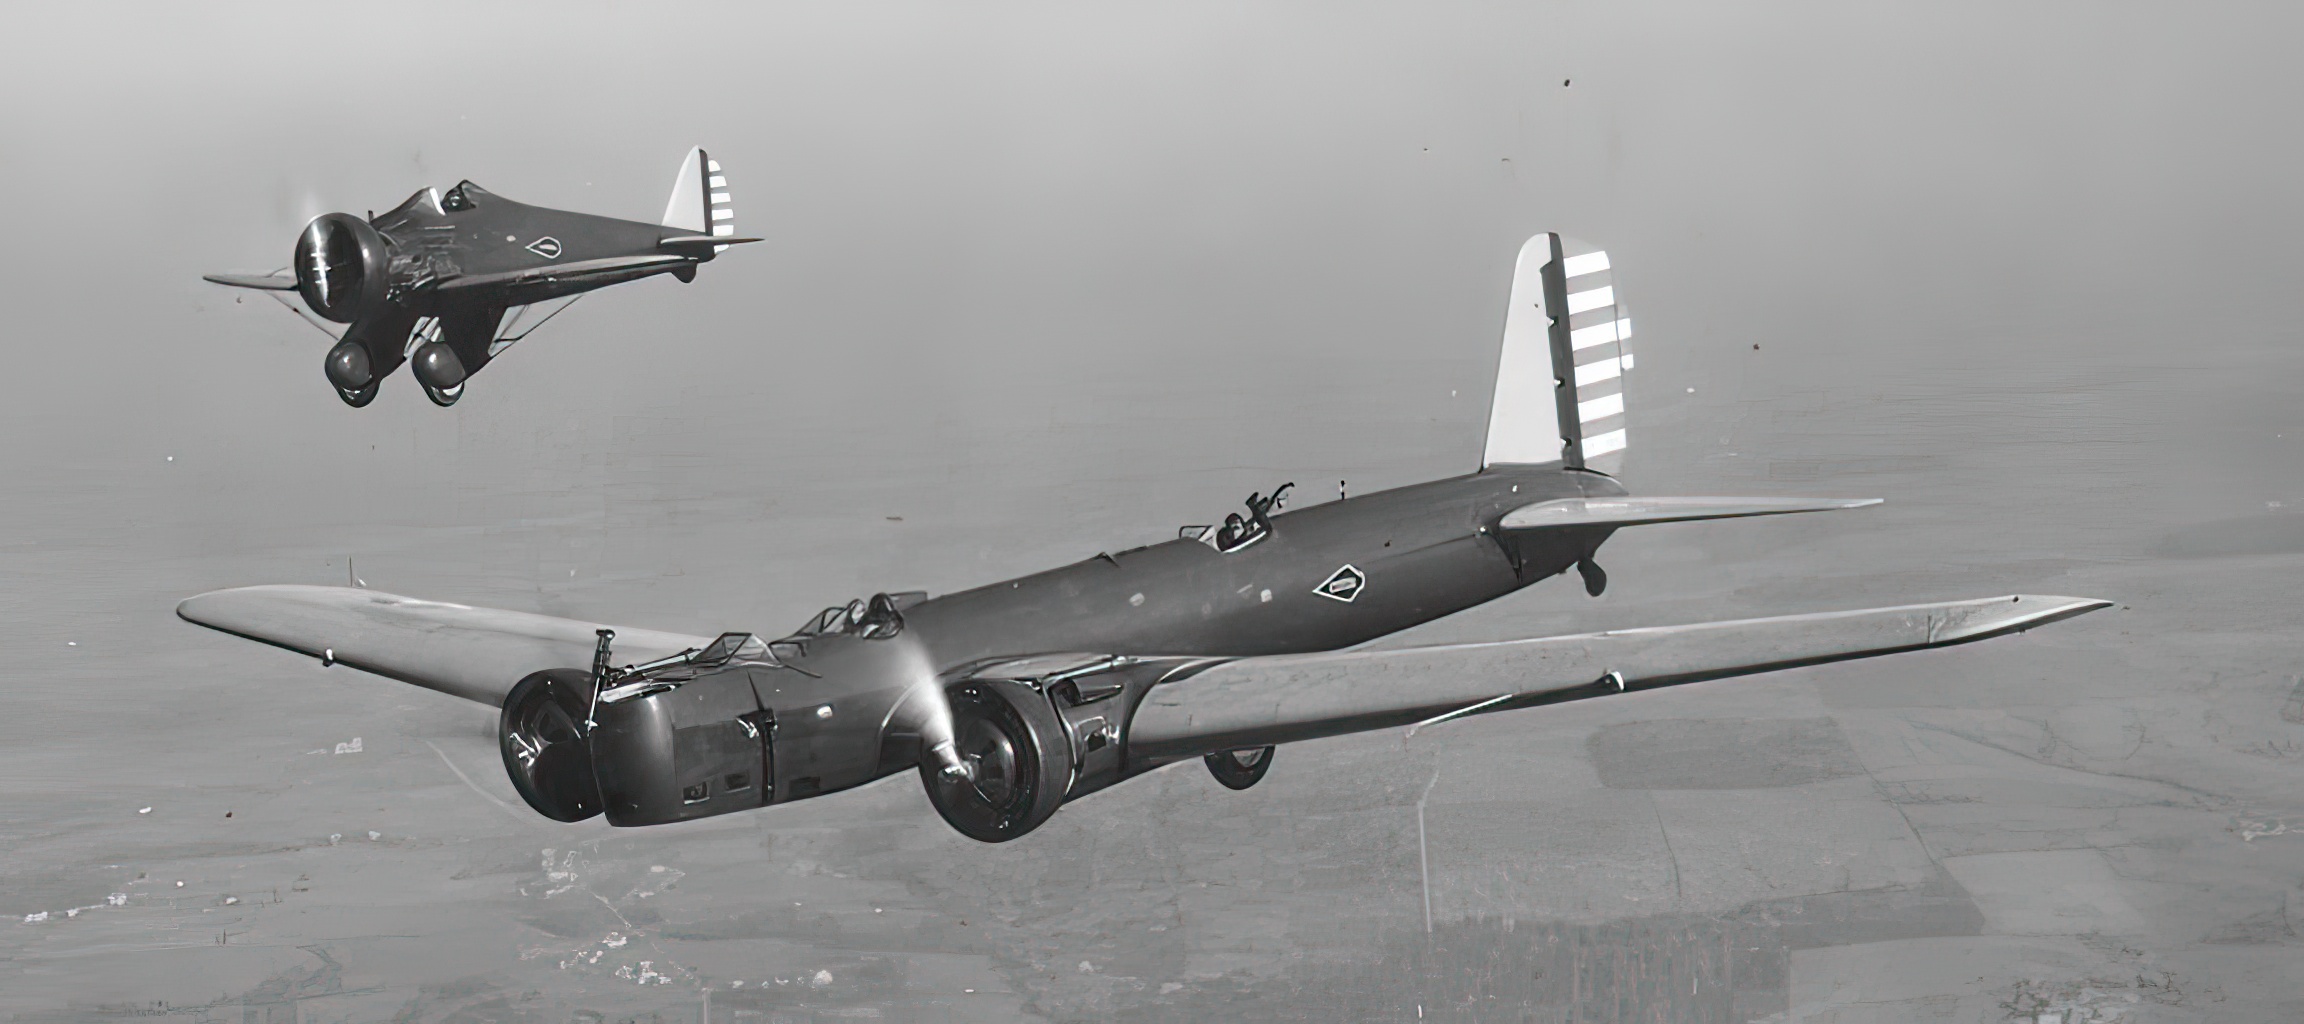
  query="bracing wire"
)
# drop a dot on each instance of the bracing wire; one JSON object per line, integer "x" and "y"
{"x": 507, "y": 339}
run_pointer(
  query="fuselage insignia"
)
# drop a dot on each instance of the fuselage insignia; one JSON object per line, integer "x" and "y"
{"x": 547, "y": 247}
{"x": 1344, "y": 585}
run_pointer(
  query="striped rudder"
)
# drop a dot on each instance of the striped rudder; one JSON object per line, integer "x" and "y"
{"x": 1559, "y": 383}
{"x": 700, "y": 200}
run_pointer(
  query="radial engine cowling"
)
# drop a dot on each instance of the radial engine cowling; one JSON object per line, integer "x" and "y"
{"x": 658, "y": 755}
{"x": 1007, "y": 765}
{"x": 546, "y": 749}
{"x": 343, "y": 267}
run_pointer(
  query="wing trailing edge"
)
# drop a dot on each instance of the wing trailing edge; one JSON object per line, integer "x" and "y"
{"x": 1252, "y": 702}
{"x": 1642, "y": 511}
{"x": 473, "y": 653}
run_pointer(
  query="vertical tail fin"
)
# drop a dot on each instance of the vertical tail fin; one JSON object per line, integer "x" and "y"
{"x": 1559, "y": 382}
{"x": 700, "y": 200}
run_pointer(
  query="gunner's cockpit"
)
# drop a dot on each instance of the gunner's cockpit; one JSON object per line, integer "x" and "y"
{"x": 1238, "y": 532}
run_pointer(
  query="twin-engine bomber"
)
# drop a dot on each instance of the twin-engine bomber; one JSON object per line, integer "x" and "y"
{"x": 445, "y": 281}
{"x": 1011, "y": 699}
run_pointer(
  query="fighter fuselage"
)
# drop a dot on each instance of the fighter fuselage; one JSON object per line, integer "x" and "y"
{"x": 526, "y": 254}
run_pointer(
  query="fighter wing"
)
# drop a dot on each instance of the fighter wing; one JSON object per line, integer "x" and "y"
{"x": 601, "y": 271}
{"x": 1251, "y": 702}
{"x": 474, "y": 653}
{"x": 1641, "y": 511}
{"x": 266, "y": 282}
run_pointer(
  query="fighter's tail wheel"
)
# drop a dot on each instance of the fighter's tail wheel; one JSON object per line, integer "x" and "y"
{"x": 546, "y": 749}
{"x": 1239, "y": 769}
{"x": 1014, "y": 762}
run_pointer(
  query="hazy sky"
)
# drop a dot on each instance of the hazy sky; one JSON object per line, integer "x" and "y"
{"x": 1011, "y": 246}
{"x": 1043, "y": 280}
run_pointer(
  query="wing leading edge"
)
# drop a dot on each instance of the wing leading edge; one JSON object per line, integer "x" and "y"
{"x": 1252, "y": 702}
{"x": 473, "y": 653}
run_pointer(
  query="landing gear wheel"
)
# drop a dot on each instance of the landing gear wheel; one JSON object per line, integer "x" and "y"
{"x": 360, "y": 398}
{"x": 545, "y": 747}
{"x": 1239, "y": 769}
{"x": 443, "y": 397}
{"x": 1017, "y": 763}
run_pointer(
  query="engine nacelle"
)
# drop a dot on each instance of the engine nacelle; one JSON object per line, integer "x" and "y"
{"x": 1007, "y": 765}
{"x": 661, "y": 754}
{"x": 343, "y": 267}
{"x": 546, "y": 750}
{"x": 1030, "y": 735}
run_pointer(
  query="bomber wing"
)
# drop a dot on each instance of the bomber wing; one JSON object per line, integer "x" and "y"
{"x": 1251, "y": 702}
{"x": 474, "y": 653}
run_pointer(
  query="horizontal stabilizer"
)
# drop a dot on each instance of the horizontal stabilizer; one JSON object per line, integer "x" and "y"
{"x": 1252, "y": 702}
{"x": 266, "y": 282}
{"x": 1640, "y": 511}
{"x": 688, "y": 243}
{"x": 474, "y": 653}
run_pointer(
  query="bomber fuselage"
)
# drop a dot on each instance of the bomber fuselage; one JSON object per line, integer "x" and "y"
{"x": 1405, "y": 557}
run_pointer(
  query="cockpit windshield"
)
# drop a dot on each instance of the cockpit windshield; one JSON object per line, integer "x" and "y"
{"x": 669, "y": 672}
{"x": 423, "y": 205}
{"x": 724, "y": 649}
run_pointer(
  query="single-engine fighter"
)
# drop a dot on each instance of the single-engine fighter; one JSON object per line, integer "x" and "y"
{"x": 1013, "y": 698}
{"x": 444, "y": 281}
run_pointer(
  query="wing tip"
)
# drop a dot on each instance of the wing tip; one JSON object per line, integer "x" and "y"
{"x": 261, "y": 282}
{"x": 201, "y": 609}
{"x": 2016, "y": 613}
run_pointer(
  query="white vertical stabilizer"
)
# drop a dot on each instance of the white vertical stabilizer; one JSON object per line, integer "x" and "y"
{"x": 1521, "y": 418}
{"x": 1560, "y": 380}
{"x": 686, "y": 210}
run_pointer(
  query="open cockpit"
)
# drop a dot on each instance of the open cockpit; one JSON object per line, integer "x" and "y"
{"x": 1239, "y": 532}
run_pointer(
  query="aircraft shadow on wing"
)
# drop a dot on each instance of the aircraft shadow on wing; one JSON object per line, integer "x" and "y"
{"x": 447, "y": 281}
{"x": 1013, "y": 698}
